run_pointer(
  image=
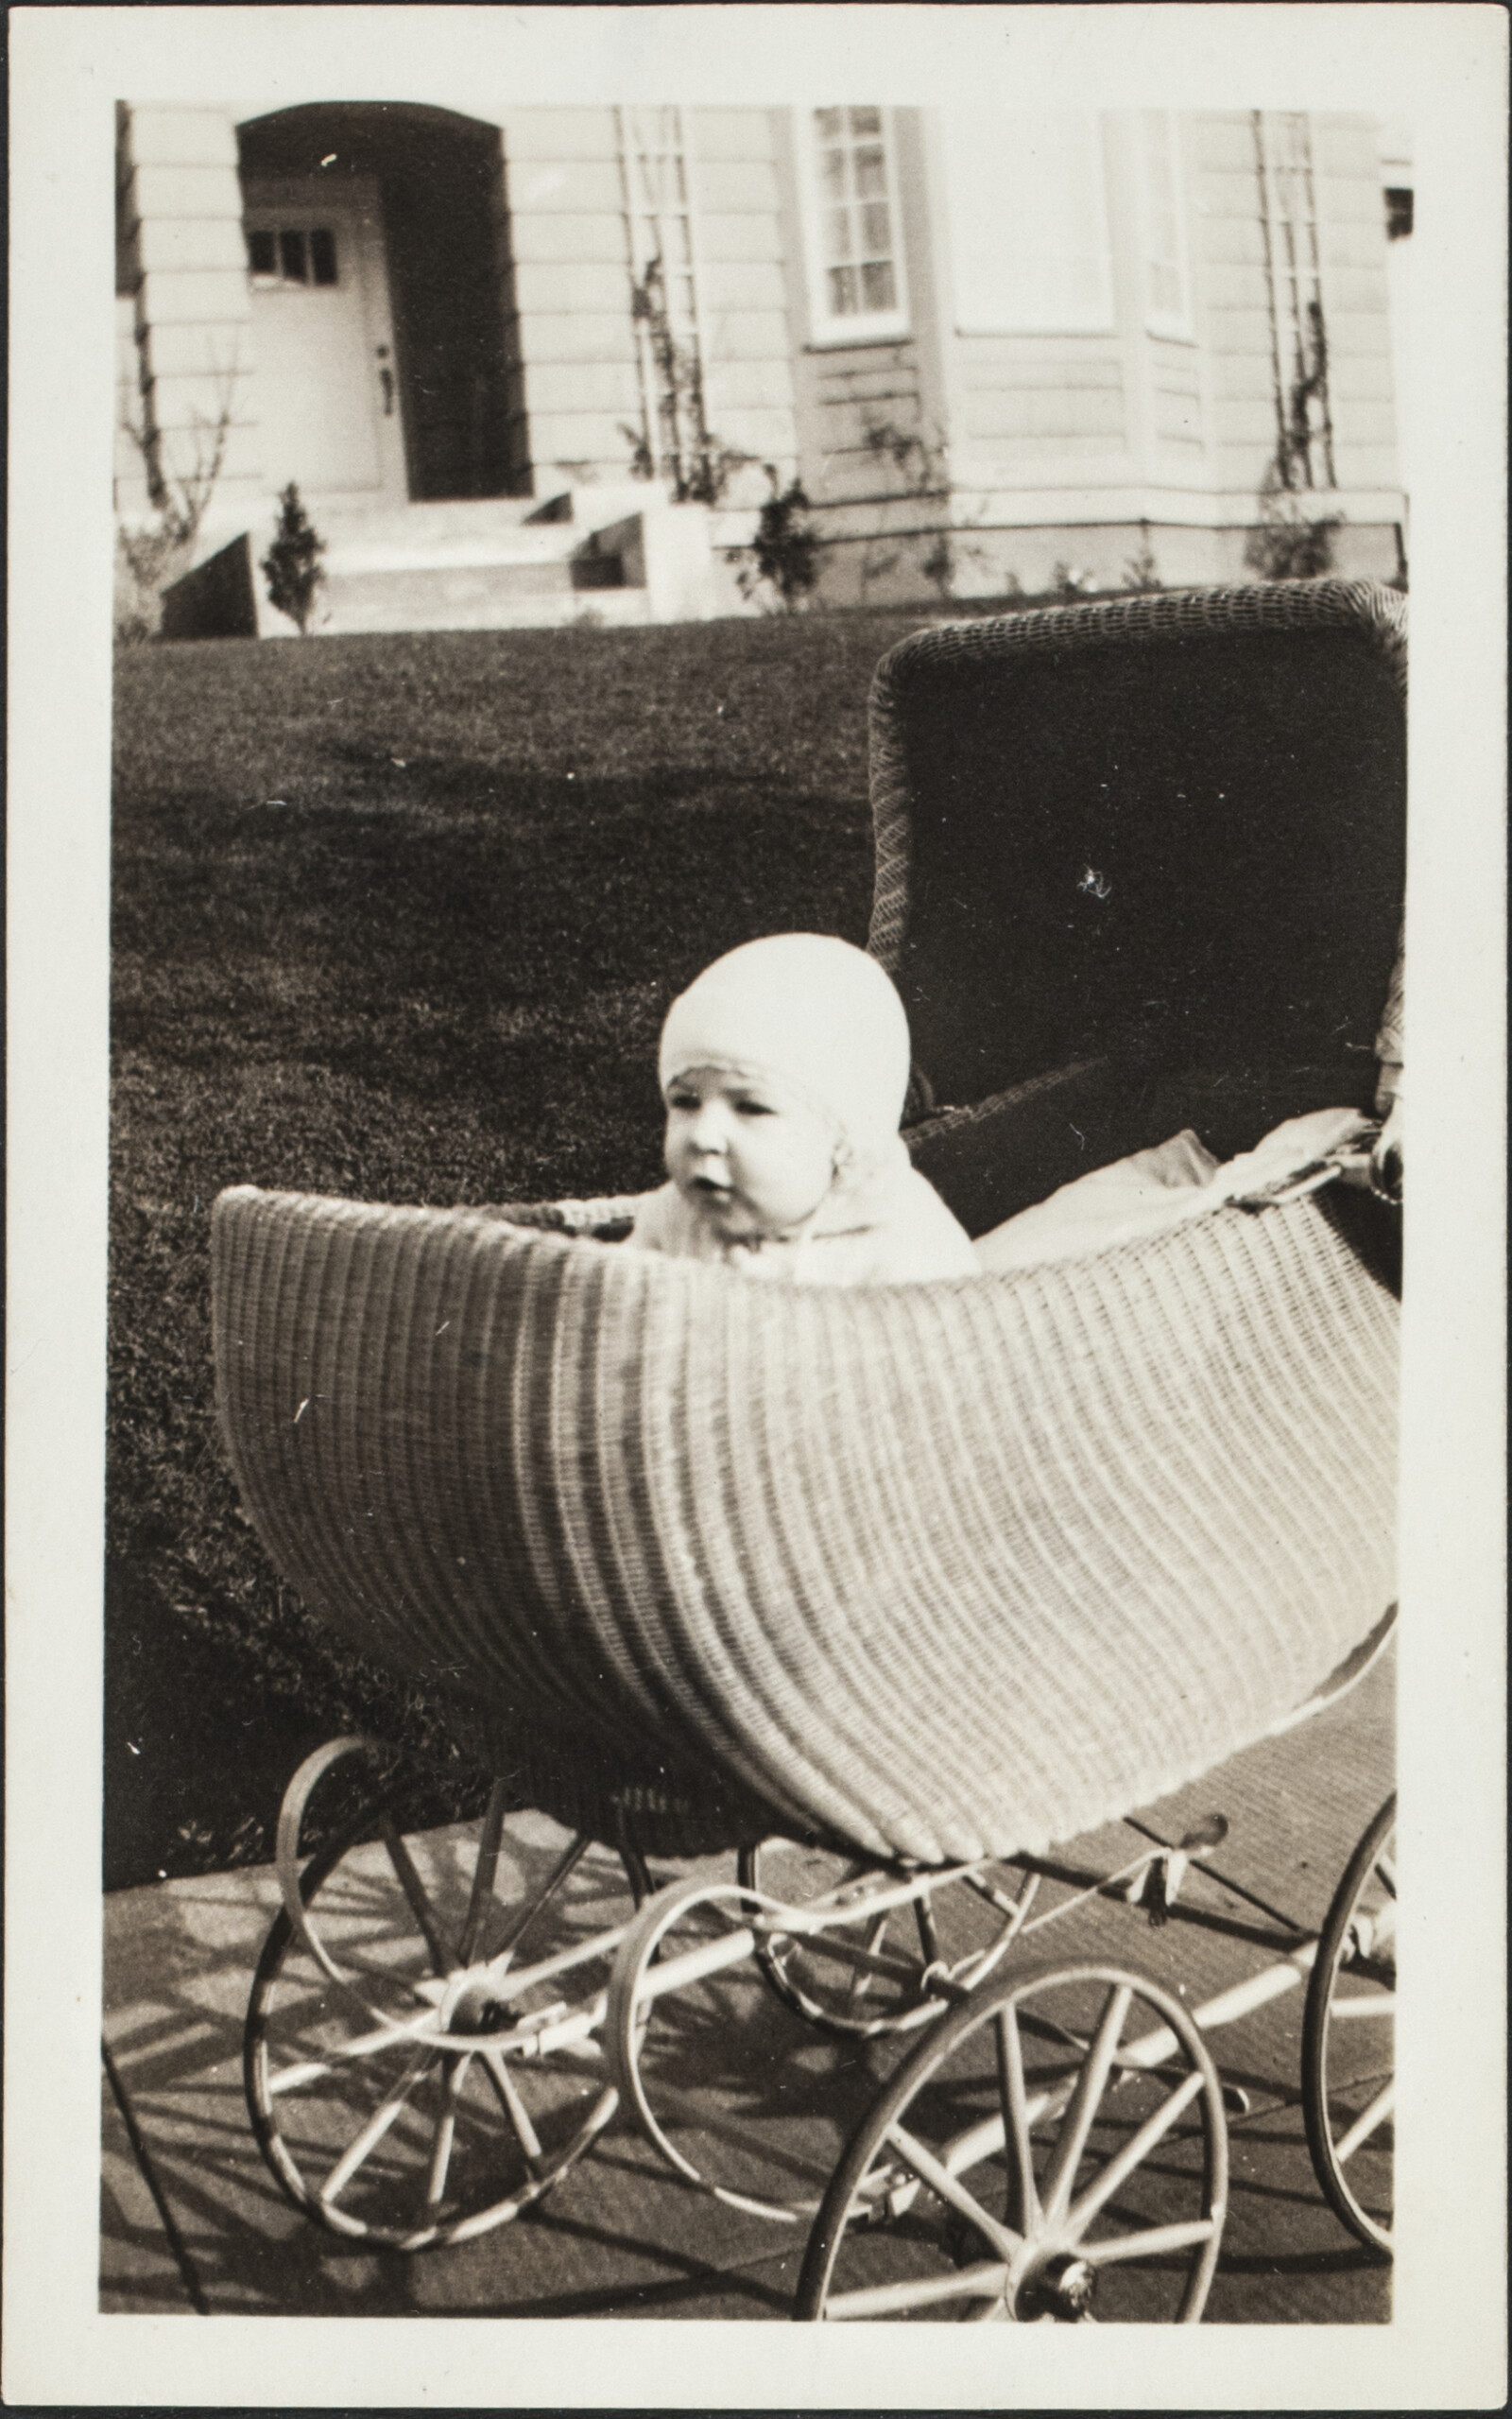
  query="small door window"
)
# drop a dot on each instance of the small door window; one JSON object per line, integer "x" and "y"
{"x": 292, "y": 256}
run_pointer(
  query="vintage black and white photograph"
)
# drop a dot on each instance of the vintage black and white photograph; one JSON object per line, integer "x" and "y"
{"x": 760, "y": 1103}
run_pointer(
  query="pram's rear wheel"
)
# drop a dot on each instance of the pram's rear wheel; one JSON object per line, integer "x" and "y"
{"x": 382, "y": 2102}
{"x": 1348, "y": 2075}
{"x": 956, "y": 1933}
{"x": 1055, "y": 2149}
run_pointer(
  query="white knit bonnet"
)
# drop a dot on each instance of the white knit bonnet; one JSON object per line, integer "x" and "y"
{"x": 809, "y": 1009}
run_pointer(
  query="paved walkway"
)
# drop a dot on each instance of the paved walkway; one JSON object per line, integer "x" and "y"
{"x": 192, "y": 2219}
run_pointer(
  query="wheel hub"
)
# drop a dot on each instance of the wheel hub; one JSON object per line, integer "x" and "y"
{"x": 472, "y": 2005}
{"x": 1062, "y": 2287}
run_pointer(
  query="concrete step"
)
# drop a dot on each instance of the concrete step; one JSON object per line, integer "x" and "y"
{"x": 502, "y": 562}
{"x": 342, "y": 518}
{"x": 565, "y": 516}
{"x": 384, "y": 549}
{"x": 497, "y": 595}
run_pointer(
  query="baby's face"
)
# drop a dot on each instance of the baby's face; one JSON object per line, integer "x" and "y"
{"x": 749, "y": 1155}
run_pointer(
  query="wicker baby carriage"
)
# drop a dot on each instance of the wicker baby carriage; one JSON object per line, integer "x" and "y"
{"x": 948, "y": 1571}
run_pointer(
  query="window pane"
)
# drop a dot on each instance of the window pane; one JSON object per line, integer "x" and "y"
{"x": 875, "y": 234}
{"x": 852, "y": 230}
{"x": 291, "y": 254}
{"x": 1166, "y": 289}
{"x": 261, "y": 252}
{"x": 877, "y": 286}
{"x": 323, "y": 255}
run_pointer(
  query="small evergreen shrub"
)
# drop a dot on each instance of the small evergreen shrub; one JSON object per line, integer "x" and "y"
{"x": 785, "y": 548}
{"x": 292, "y": 565}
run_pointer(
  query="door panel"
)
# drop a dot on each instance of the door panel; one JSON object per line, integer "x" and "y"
{"x": 327, "y": 396}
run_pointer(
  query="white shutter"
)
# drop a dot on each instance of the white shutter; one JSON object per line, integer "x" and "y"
{"x": 1028, "y": 221}
{"x": 1167, "y": 290}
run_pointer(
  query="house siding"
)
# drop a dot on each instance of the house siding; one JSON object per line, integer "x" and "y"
{"x": 1354, "y": 232}
{"x": 181, "y": 215}
{"x": 1233, "y": 299}
{"x": 574, "y": 331}
{"x": 742, "y": 263}
{"x": 573, "y": 348}
{"x": 1035, "y": 410}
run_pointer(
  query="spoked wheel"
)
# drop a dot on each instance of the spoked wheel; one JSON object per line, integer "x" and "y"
{"x": 721, "y": 2080}
{"x": 378, "y": 2091}
{"x": 1348, "y": 2038}
{"x": 881, "y": 1973}
{"x": 1053, "y": 2150}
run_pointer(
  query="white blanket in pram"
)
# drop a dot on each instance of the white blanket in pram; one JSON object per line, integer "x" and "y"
{"x": 1178, "y": 1179}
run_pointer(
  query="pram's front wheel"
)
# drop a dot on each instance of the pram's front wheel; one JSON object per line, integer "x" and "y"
{"x": 380, "y": 2092}
{"x": 1348, "y": 2038}
{"x": 871, "y": 1973}
{"x": 1055, "y": 2149}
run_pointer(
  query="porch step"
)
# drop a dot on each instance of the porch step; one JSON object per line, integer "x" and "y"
{"x": 618, "y": 554}
{"x": 489, "y": 595}
{"x": 564, "y": 517}
{"x": 497, "y": 519}
{"x": 527, "y": 551}
{"x": 462, "y": 566}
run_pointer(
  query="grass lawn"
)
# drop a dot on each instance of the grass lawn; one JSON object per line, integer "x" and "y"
{"x": 398, "y": 918}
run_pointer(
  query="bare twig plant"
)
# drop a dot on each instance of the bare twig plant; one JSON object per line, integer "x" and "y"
{"x": 1289, "y": 541}
{"x": 681, "y": 448}
{"x": 154, "y": 552}
{"x": 921, "y": 465}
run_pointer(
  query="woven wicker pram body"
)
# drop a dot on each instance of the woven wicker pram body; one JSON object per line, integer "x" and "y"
{"x": 935, "y": 1570}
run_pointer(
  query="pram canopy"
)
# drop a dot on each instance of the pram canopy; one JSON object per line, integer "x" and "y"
{"x": 934, "y": 1570}
{"x": 1139, "y": 865}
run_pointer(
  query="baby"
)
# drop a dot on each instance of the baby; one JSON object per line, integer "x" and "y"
{"x": 783, "y": 1069}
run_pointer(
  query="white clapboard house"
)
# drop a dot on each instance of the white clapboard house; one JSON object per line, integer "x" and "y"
{"x": 529, "y": 364}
